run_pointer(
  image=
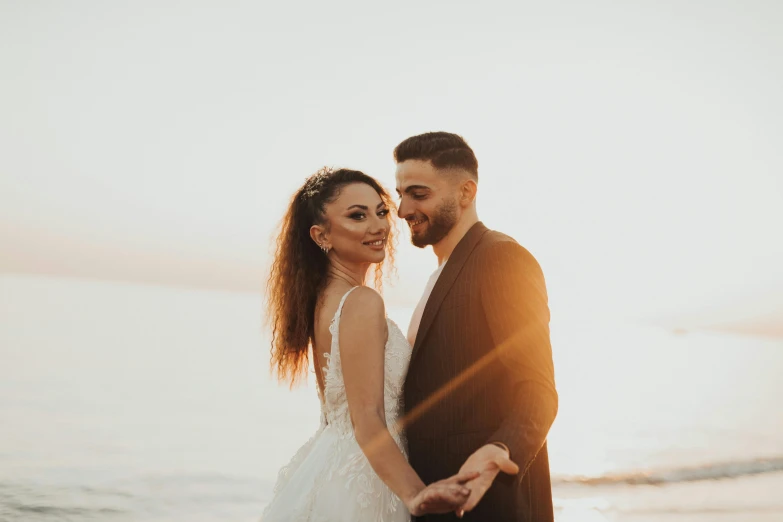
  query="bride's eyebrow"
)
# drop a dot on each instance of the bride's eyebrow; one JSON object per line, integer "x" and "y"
{"x": 365, "y": 207}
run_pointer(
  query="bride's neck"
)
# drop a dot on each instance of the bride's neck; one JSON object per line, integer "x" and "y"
{"x": 353, "y": 275}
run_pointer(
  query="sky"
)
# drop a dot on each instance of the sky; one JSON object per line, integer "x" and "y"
{"x": 633, "y": 147}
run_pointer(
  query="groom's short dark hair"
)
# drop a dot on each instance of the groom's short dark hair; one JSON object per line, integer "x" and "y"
{"x": 444, "y": 149}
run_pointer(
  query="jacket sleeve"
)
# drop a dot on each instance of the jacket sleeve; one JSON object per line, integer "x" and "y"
{"x": 514, "y": 298}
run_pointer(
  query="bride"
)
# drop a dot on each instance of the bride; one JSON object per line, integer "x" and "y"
{"x": 354, "y": 468}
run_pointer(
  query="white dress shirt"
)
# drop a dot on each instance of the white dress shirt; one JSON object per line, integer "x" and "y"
{"x": 413, "y": 327}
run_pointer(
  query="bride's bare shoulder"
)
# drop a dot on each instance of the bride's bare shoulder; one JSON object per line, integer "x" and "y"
{"x": 364, "y": 302}
{"x": 363, "y": 322}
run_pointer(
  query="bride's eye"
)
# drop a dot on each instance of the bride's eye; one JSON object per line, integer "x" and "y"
{"x": 384, "y": 212}
{"x": 357, "y": 215}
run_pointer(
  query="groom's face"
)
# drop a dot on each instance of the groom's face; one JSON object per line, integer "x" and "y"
{"x": 428, "y": 201}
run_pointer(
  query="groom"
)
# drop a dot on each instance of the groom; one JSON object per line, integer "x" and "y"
{"x": 480, "y": 391}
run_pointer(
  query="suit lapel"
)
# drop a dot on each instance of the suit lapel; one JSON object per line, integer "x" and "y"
{"x": 446, "y": 281}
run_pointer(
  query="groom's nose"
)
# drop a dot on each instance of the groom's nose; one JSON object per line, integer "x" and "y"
{"x": 404, "y": 209}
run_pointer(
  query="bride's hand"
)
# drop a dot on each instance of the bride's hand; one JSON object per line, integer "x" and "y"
{"x": 444, "y": 496}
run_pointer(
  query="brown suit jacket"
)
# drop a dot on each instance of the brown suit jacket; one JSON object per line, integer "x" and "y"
{"x": 481, "y": 371}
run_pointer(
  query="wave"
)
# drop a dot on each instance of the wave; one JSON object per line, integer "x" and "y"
{"x": 168, "y": 496}
{"x": 714, "y": 471}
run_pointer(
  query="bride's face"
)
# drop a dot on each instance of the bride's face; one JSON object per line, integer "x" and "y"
{"x": 357, "y": 225}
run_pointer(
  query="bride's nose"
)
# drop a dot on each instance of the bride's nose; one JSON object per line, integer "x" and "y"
{"x": 379, "y": 226}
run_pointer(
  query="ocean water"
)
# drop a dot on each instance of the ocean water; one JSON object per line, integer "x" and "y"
{"x": 123, "y": 402}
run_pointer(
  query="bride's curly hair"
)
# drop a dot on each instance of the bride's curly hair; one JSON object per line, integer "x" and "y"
{"x": 299, "y": 270}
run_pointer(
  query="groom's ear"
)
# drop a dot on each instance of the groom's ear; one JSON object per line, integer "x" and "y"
{"x": 467, "y": 192}
{"x": 318, "y": 234}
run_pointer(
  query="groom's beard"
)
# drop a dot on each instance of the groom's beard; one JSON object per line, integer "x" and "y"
{"x": 438, "y": 225}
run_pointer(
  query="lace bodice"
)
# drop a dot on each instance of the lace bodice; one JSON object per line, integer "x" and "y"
{"x": 334, "y": 403}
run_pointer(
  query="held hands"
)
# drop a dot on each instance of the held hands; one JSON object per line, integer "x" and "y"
{"x": 444, "y": 496}
{"x": 487, "y": 462}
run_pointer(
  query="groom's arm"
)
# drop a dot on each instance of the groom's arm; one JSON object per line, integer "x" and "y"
{"x": 514, "y": 298}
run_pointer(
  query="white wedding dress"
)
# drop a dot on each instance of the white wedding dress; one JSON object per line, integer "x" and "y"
{"x": 329, "y": 479}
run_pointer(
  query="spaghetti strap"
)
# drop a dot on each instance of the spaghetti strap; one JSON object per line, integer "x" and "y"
{"x": 342, "y": 302}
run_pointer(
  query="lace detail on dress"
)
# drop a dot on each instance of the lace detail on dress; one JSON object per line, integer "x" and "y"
{"x": 335, "y": 403}
{"x": 330, "y": 478}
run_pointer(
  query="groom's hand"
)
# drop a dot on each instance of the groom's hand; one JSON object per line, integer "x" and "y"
{"x": 487, "y": 461}
{"x": 444, "y": 496}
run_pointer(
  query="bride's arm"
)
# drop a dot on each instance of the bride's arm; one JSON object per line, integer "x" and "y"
{"x": 363, "y": 332}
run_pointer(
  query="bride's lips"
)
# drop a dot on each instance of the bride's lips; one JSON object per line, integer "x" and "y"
{"x": 378, "y": 244}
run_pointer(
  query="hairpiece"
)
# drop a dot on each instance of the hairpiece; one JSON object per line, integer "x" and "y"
{"x": 315, "y": 183}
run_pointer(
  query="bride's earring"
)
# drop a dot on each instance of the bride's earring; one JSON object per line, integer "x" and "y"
{"x": 325, "y": 249}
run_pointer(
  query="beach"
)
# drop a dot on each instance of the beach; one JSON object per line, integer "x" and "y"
{"x": 146, "y": 403}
